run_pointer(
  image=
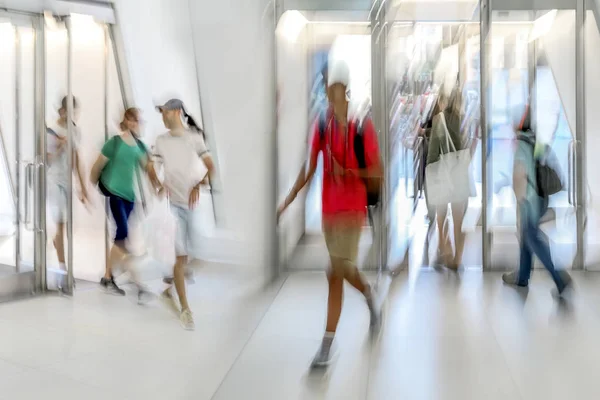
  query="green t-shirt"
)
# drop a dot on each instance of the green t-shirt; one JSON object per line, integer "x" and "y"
{"x": 118, "y": 174}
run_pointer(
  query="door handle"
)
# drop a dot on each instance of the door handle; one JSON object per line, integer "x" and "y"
{"x": 29, "y": 177}
{"x": 571, "y": 190}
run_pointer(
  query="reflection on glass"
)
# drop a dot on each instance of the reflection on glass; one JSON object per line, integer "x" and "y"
{"x": 426, "y": 63}
{"x": 531, "y": 63}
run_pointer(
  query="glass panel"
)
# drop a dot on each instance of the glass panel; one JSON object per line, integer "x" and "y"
{"x": 27, "y": 135}
{"x": 8, "y": 155}
{"x": 17, "y": 107}
{"x": 431, "y": 65}
{"x": 527, "y": 61}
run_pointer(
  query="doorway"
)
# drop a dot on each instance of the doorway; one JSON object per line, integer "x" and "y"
{"x": 52, "y": 57}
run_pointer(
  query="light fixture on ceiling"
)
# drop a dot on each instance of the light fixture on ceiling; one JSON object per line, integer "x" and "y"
{"x": 291, "y": 25}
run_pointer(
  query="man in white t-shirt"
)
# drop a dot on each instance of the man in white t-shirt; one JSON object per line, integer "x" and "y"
{"x": 58, "y": 173}
{"x": 187, "y": 165}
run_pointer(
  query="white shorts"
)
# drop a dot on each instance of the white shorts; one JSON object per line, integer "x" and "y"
{"x": 57, "y": 200}
{"x": 184, "y": 229}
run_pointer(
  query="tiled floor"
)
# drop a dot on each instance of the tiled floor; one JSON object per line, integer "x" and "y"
{"x": 446, "y": 336}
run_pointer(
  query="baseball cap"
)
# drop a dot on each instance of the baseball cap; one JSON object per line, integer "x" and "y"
{"x": 339, "y": 72}
{"x": 173, "y": 104}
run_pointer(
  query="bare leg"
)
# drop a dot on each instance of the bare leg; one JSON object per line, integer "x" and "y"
{"x": 59, "y": 243}
{"x": 356, "y": 279}
{"x": 336, "y": 294}
{"x": 443, "y": 242}
{"x": 179, "y": 280}
{"x": 458, "y": 215}
{"x": 115, "y": 256}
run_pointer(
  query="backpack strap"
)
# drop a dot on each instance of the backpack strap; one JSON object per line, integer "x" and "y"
{"x": 359, "y": 145}
{"x": 531, "y": 143}
{"x": 322, "y": 126}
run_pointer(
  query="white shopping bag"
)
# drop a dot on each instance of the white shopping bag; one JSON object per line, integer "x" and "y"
{"x": 448, "y": 180}
{"x": 161, "y": 234}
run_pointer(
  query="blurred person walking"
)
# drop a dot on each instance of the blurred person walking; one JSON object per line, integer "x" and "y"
{"x": 532, "y": 189}
{"x": 345, "y": 190}
{"x": 58, "y": 173}
{"x": 446, "y": 138}
{"x": 114, "y": 173}
{"x": 187, "y": 166}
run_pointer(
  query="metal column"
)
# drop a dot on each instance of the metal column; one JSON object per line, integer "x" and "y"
{"x": 17, "y": 78}
{"x": 273, "y": 236}
{"x": 580, "y": 135}
{"x": 70, "y": 129}
{"x": 40, "y": 138}
{"x": 380, "y": 115}
{"x": 484, "y": 70}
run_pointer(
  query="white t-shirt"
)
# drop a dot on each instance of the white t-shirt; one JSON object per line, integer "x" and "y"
{"x": 181, "y": 153}
{"x": 58, "y": 169}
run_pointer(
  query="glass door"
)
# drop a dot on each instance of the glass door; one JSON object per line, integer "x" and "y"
{"x": 432, "y": 61}
{"x": 531, "y": 61}
{"x": 22, "y": 229}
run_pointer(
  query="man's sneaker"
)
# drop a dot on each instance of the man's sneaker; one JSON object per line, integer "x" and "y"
{"x": 144, "y": 296}
{"x": 109, "y": 286}
{"x": 187, "y": 320}
{"x": 189, "y": 277}
{"x": 567, "y": 283}
{"x": 169, "y": 301}
{"x": 322, "y": 358}
{"x": 375, "y": 321}
{"x": 512, "y": 278}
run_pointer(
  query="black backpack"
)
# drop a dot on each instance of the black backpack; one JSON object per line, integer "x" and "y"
{"x": 547, "y": 171}
{"x": 373, "y": 196}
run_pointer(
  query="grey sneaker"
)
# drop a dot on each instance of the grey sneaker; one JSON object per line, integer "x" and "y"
{"x": 109, "y": 286}
{"x": 567, "y": 281}
{"x": 187, "y": 320}
{"x": 189, "y": 277}
{"x": 375, "y": 322}
{"x": 144, "y": 296}
{"x": 322, "y": 358}
{"x": 169, "y": 301}
{"x": 510, "y": 278}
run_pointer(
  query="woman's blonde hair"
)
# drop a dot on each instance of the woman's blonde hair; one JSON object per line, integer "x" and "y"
{"x": 130, "y": 113}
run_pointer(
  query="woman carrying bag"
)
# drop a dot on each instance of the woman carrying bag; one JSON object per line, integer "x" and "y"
{"x": 447, "y": 176}
{"x": 114, "y": 172}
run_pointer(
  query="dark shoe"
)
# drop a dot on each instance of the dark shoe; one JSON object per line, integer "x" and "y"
{"x": 567, "y": 282}
{"x": 109, "y": 286}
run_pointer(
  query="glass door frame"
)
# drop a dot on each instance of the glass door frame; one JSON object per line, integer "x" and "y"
{"x": 37, "y": 281}
{"x": 486, "y": 8}
{"x": 382, "y": 119}
{"x": 21, "y": 284}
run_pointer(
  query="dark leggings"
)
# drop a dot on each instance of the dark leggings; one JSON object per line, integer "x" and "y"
{"x": 120, "y": 209}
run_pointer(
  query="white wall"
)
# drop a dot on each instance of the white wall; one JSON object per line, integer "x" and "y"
{"x": 293, "y": 126}
{"x": 234, "y": 48}
{"x": 159, "y": 54}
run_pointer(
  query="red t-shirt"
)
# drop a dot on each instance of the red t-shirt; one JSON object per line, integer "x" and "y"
{"x": 344, "y": 195}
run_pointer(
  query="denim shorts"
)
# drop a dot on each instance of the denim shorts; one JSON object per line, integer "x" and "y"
{"x": 184, "y": 229}
{"x": 120, "y": 209}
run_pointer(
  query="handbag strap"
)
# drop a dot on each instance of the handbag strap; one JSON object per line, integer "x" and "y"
{"x": 449, "y": 142}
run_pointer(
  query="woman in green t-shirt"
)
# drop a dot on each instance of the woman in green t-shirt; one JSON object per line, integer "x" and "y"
{"x": 114, "y": 173}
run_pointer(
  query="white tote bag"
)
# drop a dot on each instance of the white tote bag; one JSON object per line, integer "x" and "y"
{"x": 448, "y": 178}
